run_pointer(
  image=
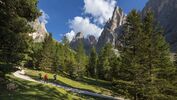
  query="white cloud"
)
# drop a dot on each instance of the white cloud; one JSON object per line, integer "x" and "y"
{"x": 101, "y": 10}
{"x": 70, "y": 35}
{"x": 80, "y": 24}
{"x": 44, "y": 17}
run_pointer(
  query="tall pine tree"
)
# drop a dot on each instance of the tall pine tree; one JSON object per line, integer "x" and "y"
{"x": 92, "y": 66}
{"x": 81, "y": 59}
{"x": 14, "y": 30}
{"x": 157, "y": 60}
{"x": 104, "y": 68}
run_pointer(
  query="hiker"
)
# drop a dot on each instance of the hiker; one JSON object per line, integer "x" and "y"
{"x": 55, "y": 77}
{"x": 40, "y": 76}
{"x": 45, "y": 78}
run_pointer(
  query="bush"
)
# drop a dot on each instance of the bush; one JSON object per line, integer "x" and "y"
{"x": 126, "y": 88}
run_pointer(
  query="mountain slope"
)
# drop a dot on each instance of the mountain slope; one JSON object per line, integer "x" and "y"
{"x": 112, "y": 29}
{"x": 165, "y": 12}
{"x": 88, "y": 42}
{"x": 40, "y": 31}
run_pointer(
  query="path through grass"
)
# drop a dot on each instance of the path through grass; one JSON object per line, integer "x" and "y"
{"x": 89, "y": 84}
{"x": 33, "y": 91}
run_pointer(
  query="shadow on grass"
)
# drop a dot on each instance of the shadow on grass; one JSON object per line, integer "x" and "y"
{"x": 100, "y": 83}
{"x": 31, "y": 91}
{"x": 87, "y": 81}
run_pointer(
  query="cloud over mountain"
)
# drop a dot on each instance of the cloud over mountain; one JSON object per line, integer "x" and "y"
{"x": 44, "y": 17}
{"x": 101, "y": 10}
{"x": 96, "y": 13}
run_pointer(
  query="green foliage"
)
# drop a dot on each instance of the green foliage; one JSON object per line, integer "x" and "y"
{"x": 104, "y": 62}
{"x": 14, "y": 29}
{"x": 81, "y": 59}
{"x": 35, "y": 91}
{"x": 47, "y": 54}
{"x": 53, "y": 56}
{"x": 145, "y": 59}
{"x": 92, "y": 65}
{"x": 68, "y": 60}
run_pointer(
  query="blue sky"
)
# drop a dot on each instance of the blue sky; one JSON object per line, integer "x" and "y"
{"x": 64, "y": 14}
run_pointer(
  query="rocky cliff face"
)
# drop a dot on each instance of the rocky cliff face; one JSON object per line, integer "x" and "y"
{"x": 112, "y": 29}
{"x": 88, "y": 42}
{"x": 165, "y": 12}
{"x": 40, "y": 31}
{"x": 76, "y": 40}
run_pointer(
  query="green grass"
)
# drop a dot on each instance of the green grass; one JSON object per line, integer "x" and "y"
{"x": 89, "y": 84}
{"x": 34, "y": 91}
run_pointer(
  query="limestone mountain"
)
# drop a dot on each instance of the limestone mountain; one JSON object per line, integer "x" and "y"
{"x": 112, "y": 29}
{"x": 88, "y": 42}
{"x": 40, "y": 31}
{"x": 165, "y": 12}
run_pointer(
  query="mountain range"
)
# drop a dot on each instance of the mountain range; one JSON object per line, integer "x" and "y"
{"x": 165, "y": 13}
{"x": 40, "y": 31}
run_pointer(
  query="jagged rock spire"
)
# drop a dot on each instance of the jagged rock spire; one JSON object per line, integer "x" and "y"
{"x": 118, "y": 18}
{"x": 112, "y": 27}
{"x": 40, "y": 31}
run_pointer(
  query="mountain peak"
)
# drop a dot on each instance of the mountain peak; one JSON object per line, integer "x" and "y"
{"x": 118, "y": 18}
{"x": 112, "y": 28}
{"x": 40, "y": 31}
{"x": 79, "y": 35}
{"x": 165, "y": 14}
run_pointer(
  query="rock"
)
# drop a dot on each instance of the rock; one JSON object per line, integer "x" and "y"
{"x": 112, "y": 29}
{"x": 22, "y": 72}
{"x": 165, "y": 12}
{"x": 11, "y": 86}
{"x": 88, "y": 42}
{"x": 40, "y": 31}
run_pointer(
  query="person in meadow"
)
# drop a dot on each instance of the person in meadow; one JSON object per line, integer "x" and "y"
{"x": 55, "y": 77}
{"x": 40, "y": 76}
{"x": 45, "y": 78}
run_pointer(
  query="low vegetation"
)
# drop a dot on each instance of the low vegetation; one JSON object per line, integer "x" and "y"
{"x": 85, "y": 83}
{"x": 35, "y": 91}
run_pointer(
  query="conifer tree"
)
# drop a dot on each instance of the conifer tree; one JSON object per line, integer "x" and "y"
{"x": 56, "y": 57}
{"x": 145, "y": 58}
{"x": 14, "y": 29}
{"x": 115, "y": 67}
{"x": 158, "y": 64}
{"x": 104, "y": 67}
{"x": 45, "y": 62}
{"x": 81, "y": 59}
{"x": 92, "y": 66}
{"x": 131, "y": 49}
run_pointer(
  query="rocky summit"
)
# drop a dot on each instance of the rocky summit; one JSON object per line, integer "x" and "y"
{"x": 88, "y": 42}
{"x": 165, "y": 12}
{"x": 112, "y": 29}
{"x": 40, "y": 31}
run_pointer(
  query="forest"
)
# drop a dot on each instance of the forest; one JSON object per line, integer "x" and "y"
{"x": 143, "y": 69}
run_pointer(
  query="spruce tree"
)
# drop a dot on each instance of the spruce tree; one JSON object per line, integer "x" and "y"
{"x": 56, "y": 57}
{"x": 104, "y": 68}
{"x": 14, "y": 29}
{"x": 131, "y": 49}
{"x": 157, "y": 62}
{"x": 145, "y": 59}
{"x": 92, "y": 66}
{"x": 46, "y": 58}
{"x": 81, "y": 59}
{"x": 132, "y": 54}
{"x": 115, "y": 64}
